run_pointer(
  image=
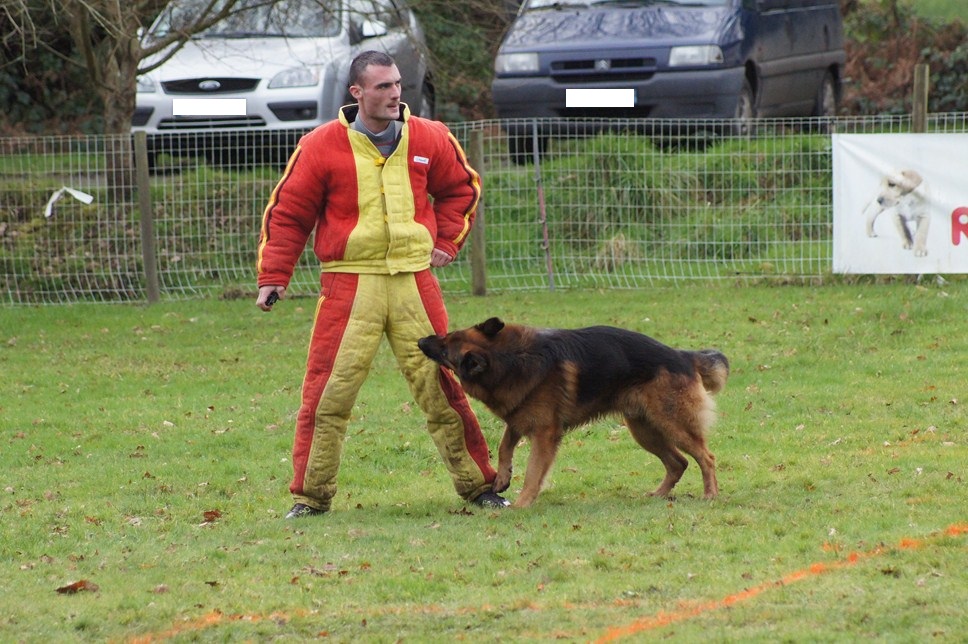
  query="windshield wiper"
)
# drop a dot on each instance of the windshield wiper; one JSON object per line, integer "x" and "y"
{"x": 646, "y": 3}
{"x": 241, "y": 34}
{"x": 559, "y": 6}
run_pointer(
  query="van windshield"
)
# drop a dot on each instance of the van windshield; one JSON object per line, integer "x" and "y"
{"x": 257, "y": 18}
{"x": 570, "y": 4}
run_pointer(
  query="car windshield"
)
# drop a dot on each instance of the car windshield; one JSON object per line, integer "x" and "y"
{"x": 257, "y": 18}
{"x": 569, "y": 4}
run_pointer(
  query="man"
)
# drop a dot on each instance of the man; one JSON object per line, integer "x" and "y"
{"x": 389, "y": 195}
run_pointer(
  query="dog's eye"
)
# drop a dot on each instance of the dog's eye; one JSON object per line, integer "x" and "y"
{"x": 891, "y": 184}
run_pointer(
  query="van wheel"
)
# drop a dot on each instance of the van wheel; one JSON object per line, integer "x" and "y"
{"x": 826, "y": 103}
{"x": 745, "y": 111}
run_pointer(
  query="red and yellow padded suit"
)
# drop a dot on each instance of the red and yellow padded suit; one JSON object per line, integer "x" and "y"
{"x": 375, "y": 227}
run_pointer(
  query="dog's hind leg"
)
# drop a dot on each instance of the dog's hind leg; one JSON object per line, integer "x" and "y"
{"x": 544, "y": 447}
{"x": 652, "y": 440}
{"x": 902, "y": 230}
{"x": 693, "y": 443}
{"x": 505, "y": 458}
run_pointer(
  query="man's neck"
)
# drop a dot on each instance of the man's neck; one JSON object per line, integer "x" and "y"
{"x": 373, "y": 127}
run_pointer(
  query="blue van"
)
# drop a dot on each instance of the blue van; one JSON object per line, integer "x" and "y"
{"x": 690, "y": 59}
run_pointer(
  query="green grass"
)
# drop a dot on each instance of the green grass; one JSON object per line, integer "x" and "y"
{"x": 941, "y": 10}
{"x": 842, "y": 430}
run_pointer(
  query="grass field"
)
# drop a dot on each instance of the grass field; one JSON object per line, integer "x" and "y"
{"x": 144, "y": 464}
{"x": 941, "y": 10}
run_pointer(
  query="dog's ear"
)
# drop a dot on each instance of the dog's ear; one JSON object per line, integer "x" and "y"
{"x": 472, "y": 365}
{"x": 911, "y": 180}
{"x": 491, "y": 327}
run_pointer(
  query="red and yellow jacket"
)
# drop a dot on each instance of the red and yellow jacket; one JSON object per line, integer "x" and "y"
{"x": 370, "y": 214}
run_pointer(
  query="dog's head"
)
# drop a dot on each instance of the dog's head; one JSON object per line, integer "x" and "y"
{"x": 467, "y": 352}
{"x": 896, "y": 186}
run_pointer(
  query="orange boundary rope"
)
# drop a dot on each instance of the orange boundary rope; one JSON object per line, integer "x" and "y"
{"x": 664, "y": 618}
{"x": 652, "y": 622}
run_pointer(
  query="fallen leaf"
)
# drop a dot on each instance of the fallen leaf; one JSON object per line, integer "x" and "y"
{"x": 78, "y": 586}
{"x": 211, "y": 516}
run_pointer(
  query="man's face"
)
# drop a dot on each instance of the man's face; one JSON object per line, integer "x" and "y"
{"x": 378, "y": 94}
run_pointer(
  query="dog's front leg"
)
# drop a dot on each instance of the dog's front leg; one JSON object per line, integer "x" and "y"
{"x": 871, "y": 213}
{"x": 544, "y": 447}
{"x": 505, "y": 458}
{"x": 921, "y": 235}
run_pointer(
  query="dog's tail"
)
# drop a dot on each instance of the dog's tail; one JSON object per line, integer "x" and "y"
{"x": 713, "y": 368}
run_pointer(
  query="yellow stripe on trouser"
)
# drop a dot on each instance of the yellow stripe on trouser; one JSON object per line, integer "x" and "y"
{"x": 353, "y": 315}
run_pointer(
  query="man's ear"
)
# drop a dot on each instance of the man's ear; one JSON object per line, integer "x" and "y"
{"x": 355, "y": 91}
{"x": 472, "y": 365}
{"x": 491, "y": 327}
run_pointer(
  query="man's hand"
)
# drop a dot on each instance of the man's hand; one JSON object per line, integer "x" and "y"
{"x": 264, "y": 302}
{"x": 439, "y": 258}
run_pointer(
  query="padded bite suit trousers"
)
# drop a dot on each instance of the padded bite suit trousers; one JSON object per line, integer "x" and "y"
{"x": 353, "y": 314}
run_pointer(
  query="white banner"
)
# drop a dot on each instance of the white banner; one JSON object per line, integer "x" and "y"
{"x": 900, "y": 203}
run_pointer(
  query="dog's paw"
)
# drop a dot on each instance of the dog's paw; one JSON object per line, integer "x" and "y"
{"x": 502, "y": 481}
{"x": 921, "y": 252}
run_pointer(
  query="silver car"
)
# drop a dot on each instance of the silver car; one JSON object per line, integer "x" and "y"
{"x": 270, "y": 72}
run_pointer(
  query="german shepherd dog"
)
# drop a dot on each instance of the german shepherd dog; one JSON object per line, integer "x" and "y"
{"x": 544, "y": 382}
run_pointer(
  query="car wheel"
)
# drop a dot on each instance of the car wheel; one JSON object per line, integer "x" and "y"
{"x": 427, "y": 107}
{"x": 745, "y": 111}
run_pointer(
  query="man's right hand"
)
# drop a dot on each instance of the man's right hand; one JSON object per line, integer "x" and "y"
{"x": 264, "y": 302}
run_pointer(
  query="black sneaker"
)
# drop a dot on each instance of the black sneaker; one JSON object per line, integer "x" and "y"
{"x": 301, "y": 510}
{"x": 491, "y": 500}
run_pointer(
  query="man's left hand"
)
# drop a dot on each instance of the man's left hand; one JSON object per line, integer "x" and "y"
{"x": 439, "y": 258}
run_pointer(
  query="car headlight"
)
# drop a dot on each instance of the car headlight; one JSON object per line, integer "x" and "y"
{"x": 695, "y": 55}
{"x": 526, "y": 63}
{"x": 145, "y": 85}
{"x": 295, "y": 77}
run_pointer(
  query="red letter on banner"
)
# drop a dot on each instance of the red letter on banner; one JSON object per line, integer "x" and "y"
{"x": 959, "y": 224}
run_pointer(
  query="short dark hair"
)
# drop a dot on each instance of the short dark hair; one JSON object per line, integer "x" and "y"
{"x": 364, "y": 60}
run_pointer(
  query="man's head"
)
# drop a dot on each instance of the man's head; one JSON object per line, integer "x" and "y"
{"x": 375, "y": 84}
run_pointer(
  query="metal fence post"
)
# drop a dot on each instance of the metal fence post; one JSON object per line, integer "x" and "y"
{"x": 542, "y": 209}
{"x": 478, "y": 237}
{"x": 143, "y": 186}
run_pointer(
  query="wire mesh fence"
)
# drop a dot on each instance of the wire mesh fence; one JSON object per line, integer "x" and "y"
{"x": 602, "y": 203}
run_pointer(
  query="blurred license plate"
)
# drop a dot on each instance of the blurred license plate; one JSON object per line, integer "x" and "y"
{"x": 208, "y": 107}
{"x": 600, "y": 97}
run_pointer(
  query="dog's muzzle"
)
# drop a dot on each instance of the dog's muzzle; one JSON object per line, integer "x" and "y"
{"x": 433, "y": 347}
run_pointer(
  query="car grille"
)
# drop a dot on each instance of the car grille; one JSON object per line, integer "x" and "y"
{"x": 211, "y": 123}
{"x": 225, "y": 85}
{"x": 603, "y": 70}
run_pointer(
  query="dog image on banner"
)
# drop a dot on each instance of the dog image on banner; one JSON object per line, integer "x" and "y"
{"x": 902, "y": 196}
{"x": 896, "y": 203}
